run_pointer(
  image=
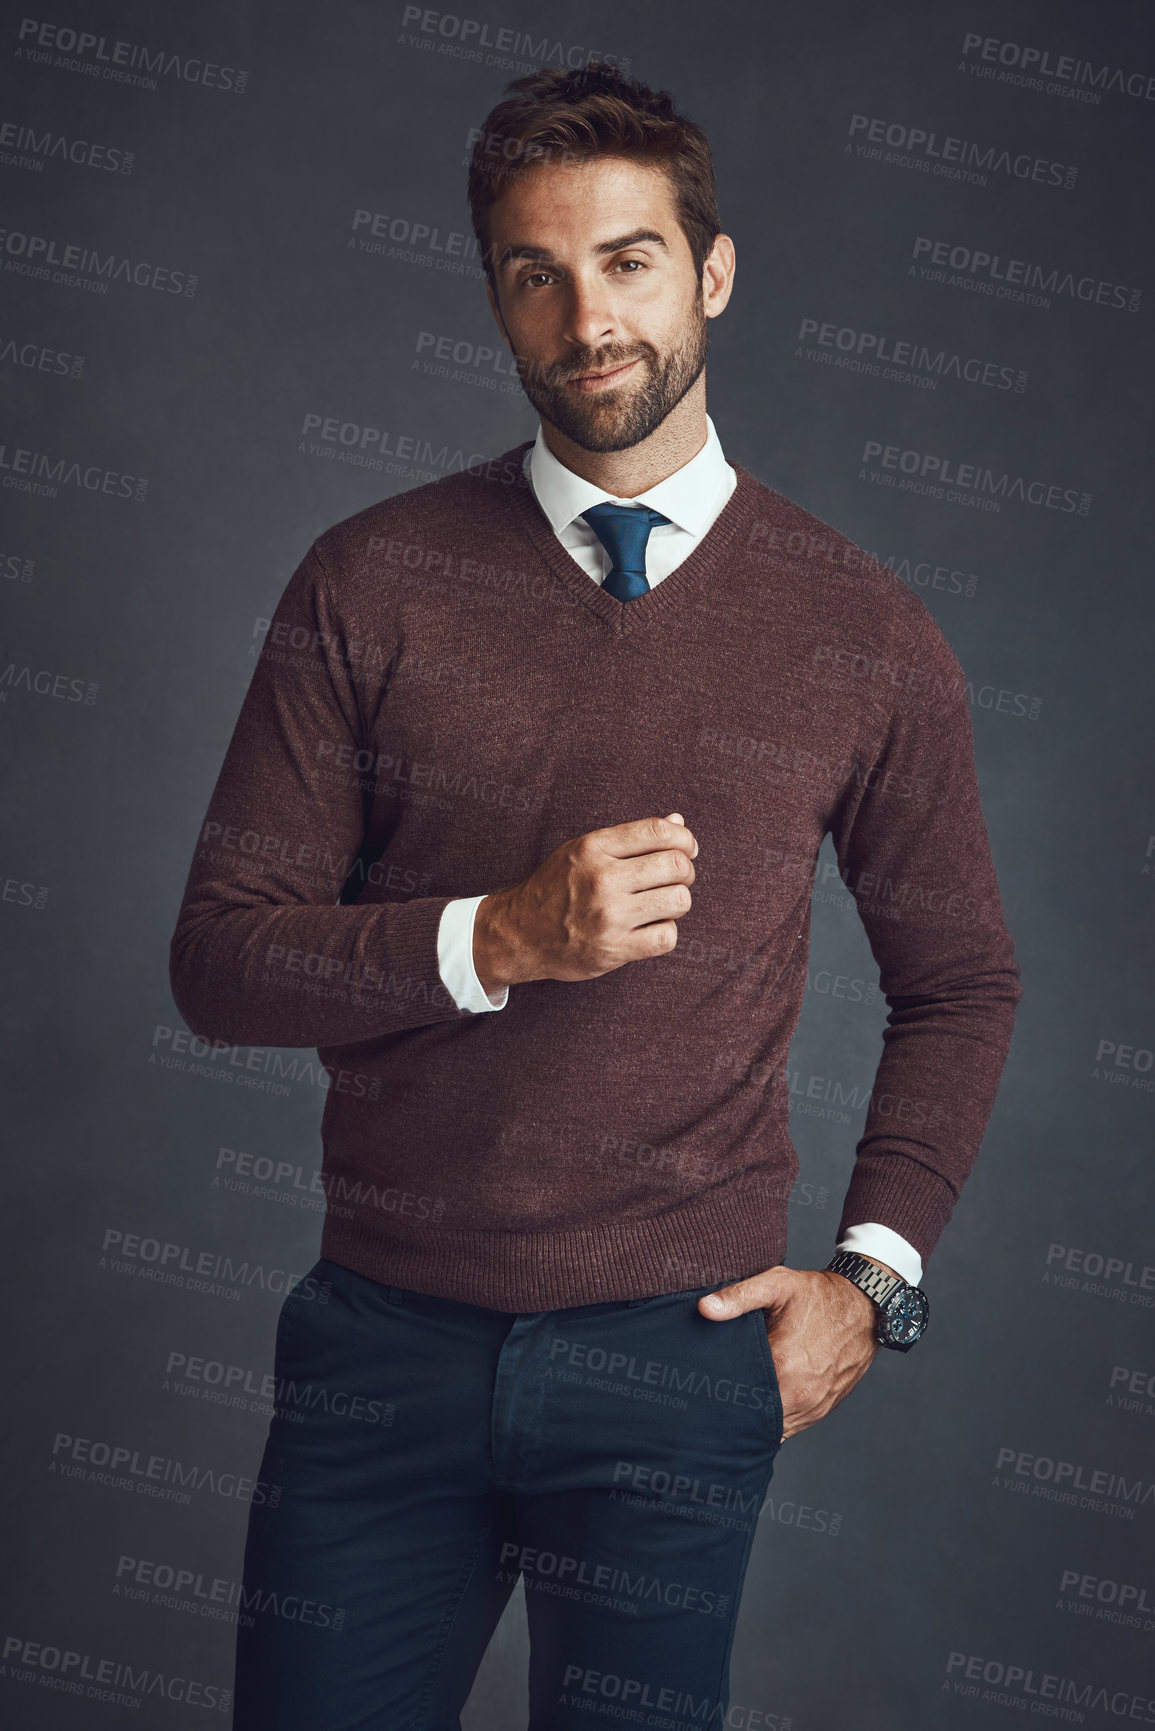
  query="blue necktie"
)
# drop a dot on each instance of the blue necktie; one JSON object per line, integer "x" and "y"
{"x": 623, "y": 531}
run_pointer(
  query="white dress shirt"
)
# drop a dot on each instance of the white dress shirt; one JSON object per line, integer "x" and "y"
{"x": 692, "y": 498}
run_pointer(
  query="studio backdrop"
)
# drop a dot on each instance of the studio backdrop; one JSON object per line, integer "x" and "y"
{"x": 242, "y": 300}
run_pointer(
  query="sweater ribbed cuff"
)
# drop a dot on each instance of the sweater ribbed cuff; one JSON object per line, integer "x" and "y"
{"x": 901, "y": 1193}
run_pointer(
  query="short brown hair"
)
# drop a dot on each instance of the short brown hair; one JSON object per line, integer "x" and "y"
{"x": 576, "y": 116}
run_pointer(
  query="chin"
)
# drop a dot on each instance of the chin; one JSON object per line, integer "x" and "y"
{"x": 606, "y": 430}
{"x": 611, "y": 440}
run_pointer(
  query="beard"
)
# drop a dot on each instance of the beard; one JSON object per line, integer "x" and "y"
{"x": 618, "y": 418}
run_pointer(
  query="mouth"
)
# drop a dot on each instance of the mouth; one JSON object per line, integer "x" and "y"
{"x": 604, "y": 380}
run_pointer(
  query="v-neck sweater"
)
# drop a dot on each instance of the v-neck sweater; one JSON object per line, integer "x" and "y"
{"x": 442, "y": 698}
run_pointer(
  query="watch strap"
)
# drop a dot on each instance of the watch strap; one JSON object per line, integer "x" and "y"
{"x": 866, "y": 1275}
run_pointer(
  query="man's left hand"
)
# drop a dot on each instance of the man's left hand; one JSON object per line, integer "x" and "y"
{"x": 822, "y": 1335}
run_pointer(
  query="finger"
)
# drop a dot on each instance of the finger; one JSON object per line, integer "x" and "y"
{"x": 646, "y": 907}
{"x": 662, "y": 867}
{"x": 651, "y": 890}
{"x": 803, "y": 1418}
{"x": 644, "y": 835}
{"x": 651, "y": 871}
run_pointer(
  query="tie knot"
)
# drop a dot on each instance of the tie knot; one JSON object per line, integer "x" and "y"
{"x": 623, "y": 531}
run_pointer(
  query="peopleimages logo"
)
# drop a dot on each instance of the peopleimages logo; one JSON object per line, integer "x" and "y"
{"x": 45, "y": 683}
{"x": 37, "y": 357}
{"x": 907, "y": 360}
{"x": 1108, "y": 1601}
{"x": 964, "y": 483}
{"x": 954, "y": 158}
{"x": 1023, "y": 1686}
{"x": 44, "y": 473}
{"x": 122, "y": 62}
{"x": 1018, "y": 64}
{"x": 26, "y": 147}
{"x": 97, "y": 1679}
{"x": 1014, "y": 279}
{"x": 465, "y": 38}
{"x": 299, "y": 1067}
{"x": 124, "y": 1467}
{"x": 184, "y": 1265}
{"x": 144, "y": 1581}
{"x": 415, "y": 242}
{"x": 1071, "y": 1482}
{"x": 76, "y": 266}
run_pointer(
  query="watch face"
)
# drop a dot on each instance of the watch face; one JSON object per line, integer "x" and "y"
{"x": 904, "y": 1316}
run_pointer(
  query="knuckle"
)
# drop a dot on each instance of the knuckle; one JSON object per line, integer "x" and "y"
{"x": 599, "y": 923}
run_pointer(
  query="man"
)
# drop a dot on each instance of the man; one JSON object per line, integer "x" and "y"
{"x": 500, "y": 726}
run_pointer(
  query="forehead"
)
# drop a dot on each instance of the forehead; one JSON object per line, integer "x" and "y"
{"x": 609, "y": 193}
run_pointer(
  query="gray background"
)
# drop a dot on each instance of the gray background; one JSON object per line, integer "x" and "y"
{"x": 893, "y": 1538}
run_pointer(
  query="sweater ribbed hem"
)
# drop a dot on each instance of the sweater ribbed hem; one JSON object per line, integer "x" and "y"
{"x": 710, "y": 1240}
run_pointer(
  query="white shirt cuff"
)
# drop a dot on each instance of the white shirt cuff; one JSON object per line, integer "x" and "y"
{"x": 455, "y": 958}
{"x": 870, "y": 1239}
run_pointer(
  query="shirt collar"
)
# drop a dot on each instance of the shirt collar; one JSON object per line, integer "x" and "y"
{"x": 687, "y": 497}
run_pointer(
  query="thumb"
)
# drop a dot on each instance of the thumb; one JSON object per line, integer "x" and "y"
{"x": 759, "y": 1291}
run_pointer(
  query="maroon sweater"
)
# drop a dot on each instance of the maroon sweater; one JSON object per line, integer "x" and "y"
{"x": 442, "y": 698}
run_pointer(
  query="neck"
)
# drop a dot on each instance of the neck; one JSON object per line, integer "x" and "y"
{"x": 627, "y": 473}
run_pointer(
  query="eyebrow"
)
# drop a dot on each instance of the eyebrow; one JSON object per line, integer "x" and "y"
{"x": 542, "y": 254}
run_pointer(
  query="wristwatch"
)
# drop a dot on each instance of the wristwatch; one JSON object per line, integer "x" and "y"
{"x": 901, "y": 1310}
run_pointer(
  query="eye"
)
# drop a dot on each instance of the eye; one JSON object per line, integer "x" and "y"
{"x": 628, "y": 266}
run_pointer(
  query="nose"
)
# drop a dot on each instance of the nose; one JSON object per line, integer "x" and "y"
{"x": 589, "y": 321}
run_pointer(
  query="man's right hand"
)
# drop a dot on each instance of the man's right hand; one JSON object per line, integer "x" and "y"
{"x": 598, "y": 901}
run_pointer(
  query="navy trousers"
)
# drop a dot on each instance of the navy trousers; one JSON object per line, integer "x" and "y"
{"x": 424, "y": 1454}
